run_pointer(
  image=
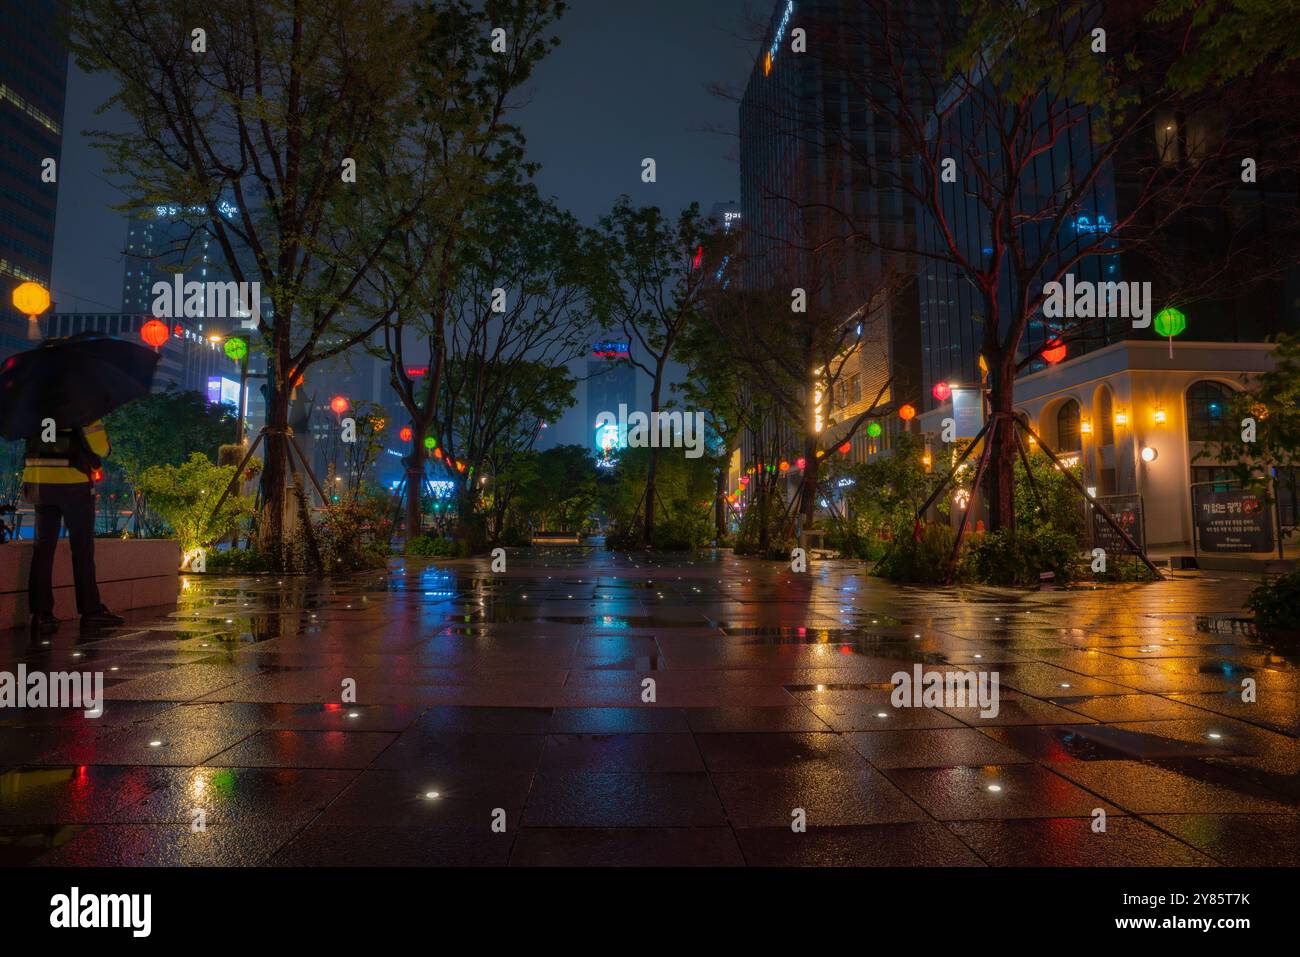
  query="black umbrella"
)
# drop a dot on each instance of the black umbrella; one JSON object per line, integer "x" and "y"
{"x": 73, "y": 381}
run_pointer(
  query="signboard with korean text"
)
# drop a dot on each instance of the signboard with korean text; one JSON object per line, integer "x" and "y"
{"x": 968, "y": 412}
{"x": 1238, "y": 520}
{"x": 1127, "y": 512}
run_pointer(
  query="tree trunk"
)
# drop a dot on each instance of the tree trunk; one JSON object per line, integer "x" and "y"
{"x": 415, "y": 484}
{"x": 653, "y": 465}
{"x": 809, "y": 483}
{"x": 275, "y": 495}
{"x": 1000, "y": 483}
{"x": 720, "y": 503}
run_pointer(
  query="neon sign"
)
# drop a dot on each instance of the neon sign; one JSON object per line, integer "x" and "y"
{"x": 776, "y": 40}
{"x": 1084, "y": 224}
{"x": 609, "y": 350}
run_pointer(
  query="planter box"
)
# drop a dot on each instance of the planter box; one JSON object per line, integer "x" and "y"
{"x": 131, "y": 574}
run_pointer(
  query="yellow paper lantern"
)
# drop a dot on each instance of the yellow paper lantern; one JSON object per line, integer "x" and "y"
{"x": 31, "y": 299}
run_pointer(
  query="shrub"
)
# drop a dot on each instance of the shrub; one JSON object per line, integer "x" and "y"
{"x": 924, "y": 561}
{"x": 437, "y": 546}
{"x": 353, "y": 536}
{"x": 184, "y": 496}
{"x": 682, "y": 529}
{"x": 237, "y": 561}
{"x": 1000, "y": 558}
{"x": 1276, "y": 603}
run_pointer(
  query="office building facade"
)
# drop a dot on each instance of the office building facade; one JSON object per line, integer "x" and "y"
{"x": 33, "y": 85}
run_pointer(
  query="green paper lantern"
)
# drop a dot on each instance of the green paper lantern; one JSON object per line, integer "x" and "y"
{"x": 1170, "y": 322}
{"x": 430, "y": 442}
{"x": 236, "y": 349}
{"x": 873, "y": 429}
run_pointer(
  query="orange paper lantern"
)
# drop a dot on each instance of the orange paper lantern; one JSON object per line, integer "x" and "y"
{"x": 907, "y": 412}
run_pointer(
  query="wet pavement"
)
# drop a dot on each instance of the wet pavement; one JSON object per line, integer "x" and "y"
{"x": 502, "y": 719}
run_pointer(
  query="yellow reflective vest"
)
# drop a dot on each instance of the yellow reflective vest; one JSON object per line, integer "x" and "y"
{"x": 43, "y": 468}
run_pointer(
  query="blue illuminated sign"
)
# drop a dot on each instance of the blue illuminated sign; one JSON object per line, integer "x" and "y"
{"x": 1085, "y": 224}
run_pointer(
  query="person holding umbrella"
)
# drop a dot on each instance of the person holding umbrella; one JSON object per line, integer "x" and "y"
{"x": 54, "y": 397}
{"x": 57, "y": 480}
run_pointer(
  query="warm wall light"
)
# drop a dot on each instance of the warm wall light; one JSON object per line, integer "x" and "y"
{"x": 1149, "y": 454}
{"x": 1160, "y": 416}
{"x": 1121, "y": 418}
{"x": 1085, "y": 427}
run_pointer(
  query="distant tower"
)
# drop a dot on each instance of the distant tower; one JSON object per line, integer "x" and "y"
{"x": 33, "y": 81}
{"x": 611, "y": 381}
{"x": 164, "y": 239}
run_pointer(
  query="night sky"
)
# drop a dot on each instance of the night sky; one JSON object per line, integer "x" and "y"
{"x": 629, "y": 80}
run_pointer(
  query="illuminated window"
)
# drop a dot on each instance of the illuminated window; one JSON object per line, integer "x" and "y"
{"x": 1068, "y": 438}
{"x": 1105, "y": 419}
{"x": 1207, "y": 411}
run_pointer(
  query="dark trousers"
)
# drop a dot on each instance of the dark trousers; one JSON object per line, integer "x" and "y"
{"x": 74, "y": 505}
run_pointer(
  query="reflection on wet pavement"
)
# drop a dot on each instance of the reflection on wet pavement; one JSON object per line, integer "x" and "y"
{"x": 506, "y": 719}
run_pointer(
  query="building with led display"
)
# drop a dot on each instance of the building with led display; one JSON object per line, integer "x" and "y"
{"x": 611, "y": 381}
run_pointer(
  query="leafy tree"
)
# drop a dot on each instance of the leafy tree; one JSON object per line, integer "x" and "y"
{"x": 654, "y": 281}
{"x": 163, "y": 428}
{"x": 483, "y": 204}
{"x": 1260, "y": 441}
{"x": 319, "y": 123}
{"x": 685, "y": 491}
{"x": 555, "y": 490}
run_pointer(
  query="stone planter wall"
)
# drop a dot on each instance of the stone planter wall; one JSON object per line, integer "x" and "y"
{"x": 132, "y": 574}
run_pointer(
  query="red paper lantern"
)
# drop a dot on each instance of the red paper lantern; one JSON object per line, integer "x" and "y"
{"x": 941, "y": 391}
{"x": 846, "y": 448}
{"x": 339, "y": 404}
{"x": 907, "y": 412}
{"x": 800, "y": 462}
{"x": 699, "y": 257}
{"x": 405, "y": 434}
{"x": 154, "y": 332}
{"x": 1054, "y": 352}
